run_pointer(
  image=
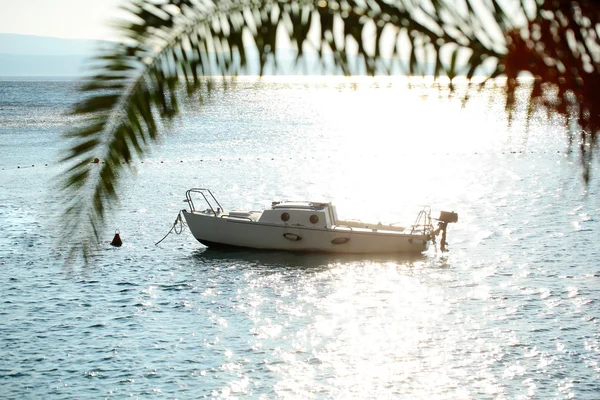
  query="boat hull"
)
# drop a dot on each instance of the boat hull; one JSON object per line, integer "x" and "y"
{"x": 213, "y": 231}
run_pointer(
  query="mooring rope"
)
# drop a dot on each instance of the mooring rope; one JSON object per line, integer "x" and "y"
{"x": 173, "y": 228}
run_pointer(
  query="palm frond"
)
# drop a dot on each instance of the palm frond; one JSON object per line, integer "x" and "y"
{"x": 560, "y": 47}
{"x": 175, "y": 44}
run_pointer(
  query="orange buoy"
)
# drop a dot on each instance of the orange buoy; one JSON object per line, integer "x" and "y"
{"x": 117, "y": 242}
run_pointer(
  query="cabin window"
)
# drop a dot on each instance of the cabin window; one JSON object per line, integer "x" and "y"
{"x": 285, "y": 217}
{"x": 313, "y": 219}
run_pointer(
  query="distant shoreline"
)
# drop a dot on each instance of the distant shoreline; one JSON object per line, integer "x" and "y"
{"x": 39, "y": 78}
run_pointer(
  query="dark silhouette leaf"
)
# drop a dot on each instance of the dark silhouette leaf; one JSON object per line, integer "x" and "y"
{"x": 175, "y": 45}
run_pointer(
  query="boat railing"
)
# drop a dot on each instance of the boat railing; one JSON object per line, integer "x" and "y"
{"x": 423, "y": 221}
{"x": 206, "y": 195}
{"x": 375, "y": 226}
{"x": 236, "y": 217}
{"x": 343, "y": 226}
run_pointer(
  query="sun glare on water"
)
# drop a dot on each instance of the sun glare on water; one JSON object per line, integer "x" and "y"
{"x": 380, "y": 146}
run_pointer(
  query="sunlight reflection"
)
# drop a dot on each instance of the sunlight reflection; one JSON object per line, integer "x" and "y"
{"x": 406, "y": 149}
{"x": 377, "y": 329}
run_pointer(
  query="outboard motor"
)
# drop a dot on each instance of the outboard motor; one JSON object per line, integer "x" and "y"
{"x": 445, "y": 218}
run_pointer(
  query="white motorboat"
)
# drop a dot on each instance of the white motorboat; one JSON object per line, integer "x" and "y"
{"x": 307, "y": 226}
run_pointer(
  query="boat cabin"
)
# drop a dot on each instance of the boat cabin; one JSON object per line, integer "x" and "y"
{"x": 305, "y": 214}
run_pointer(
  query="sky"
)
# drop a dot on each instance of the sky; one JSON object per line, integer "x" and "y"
{"x": 82, "y": 19}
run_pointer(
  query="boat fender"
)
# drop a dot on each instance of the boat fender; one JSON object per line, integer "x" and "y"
{"x": 340, "y": 240}
{"x": 292, "y": 236}
{"x": 117, "y": 242}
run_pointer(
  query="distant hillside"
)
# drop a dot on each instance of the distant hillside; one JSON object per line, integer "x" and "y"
{"x": 38, "y": 56}
{"x": 31, "y": 56}
{"x": 25, "y": 55}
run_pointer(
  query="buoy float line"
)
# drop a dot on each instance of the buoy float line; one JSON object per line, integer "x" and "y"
{"x": 378, "y": 156}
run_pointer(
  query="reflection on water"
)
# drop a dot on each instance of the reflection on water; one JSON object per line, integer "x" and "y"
{"x": 511, "y": 312}
{"x": 285, "y": 259}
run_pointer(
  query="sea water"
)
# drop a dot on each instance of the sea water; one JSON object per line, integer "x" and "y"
{"x": 512, "y": 311}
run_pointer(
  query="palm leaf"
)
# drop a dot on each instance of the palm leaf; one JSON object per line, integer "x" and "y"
{"x": 560, "y": 48}
{"x": 172, "y": 45}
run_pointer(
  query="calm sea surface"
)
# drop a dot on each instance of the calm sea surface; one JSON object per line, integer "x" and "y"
{"x": 513, "y": 311}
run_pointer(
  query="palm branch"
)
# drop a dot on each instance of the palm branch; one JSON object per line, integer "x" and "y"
{"x": 560, "y": 48}
{"x": 176, "y": 47}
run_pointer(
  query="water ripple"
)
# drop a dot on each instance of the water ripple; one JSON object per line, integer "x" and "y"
{"x": 511, "y": 312}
